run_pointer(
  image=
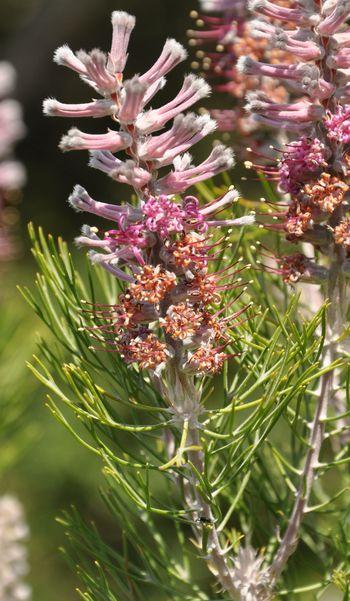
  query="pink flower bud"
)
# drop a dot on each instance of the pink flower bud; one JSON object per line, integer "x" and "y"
{"x": 172, "y": 54}
{"x": 123, "y": 24}
{"x": 79, "y": 140}
{"x": 97, "y": 108}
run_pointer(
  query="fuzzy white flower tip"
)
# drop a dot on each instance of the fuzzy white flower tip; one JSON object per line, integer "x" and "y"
{"x": 177, "y": 51}
{"x": 183, "y": 162}
{"x": 207, "y": 124}
{"x": 231, "y": 195}
{"x": 50, "y": 107}
{"x": 245, "y": 64}
{"x": 70, "y": 140}
{"x": 223, "y": 155}
{"x": 77, "y": 198}
{"x": 122, "y": 19}
{"x": 135, "y": 85}
{"x": 198, "y": 85}
{"x": 63, "y": 54}
{"x": 256, "y": 4}
{"x": 245, "y": 220}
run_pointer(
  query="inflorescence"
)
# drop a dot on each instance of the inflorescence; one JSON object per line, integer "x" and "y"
{"x": 161, "y": 247}
{"x": 312, "y": 171}
{"x": 224, "y": 37}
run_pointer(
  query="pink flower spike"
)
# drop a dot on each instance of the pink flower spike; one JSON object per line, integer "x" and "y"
{"x": 97, "y": 108}
{"x": 79, "y": 140}
{"x": 172, "y": 54}
{"x": 132, "y": 101}
{"x": 123, "y": 24}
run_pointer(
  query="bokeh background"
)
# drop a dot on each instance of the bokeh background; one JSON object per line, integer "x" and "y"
{"x": 53, "y": 471}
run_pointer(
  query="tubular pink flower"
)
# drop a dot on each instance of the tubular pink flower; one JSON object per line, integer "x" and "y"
{"x": 133, "y": 100}
{"x": 307, "y": 49}
{"x": 126, "y": 172}
{"x": 339, "y": 60}
{"x": 193, "y": 89}
{"x": 79, "y": 140}
{"x": 306, "y": 75}
{"x": 80, "y": 200}
{"x": 287, "y": 116}
{"x": 123, "y": 24}
{"x": 109, "y": 262}
{"x": 104, "y": 161}
{"x": 97, "y": 75}
{"x": 97, "y": 108}
{"x": 230, "y": 197}
{"x": 129, "y": 173}
{"x": 340, "y": 40}
{"x": 299, "y": 16}
{"x": 185, "y": 175}
{"x": 172, "y": 54}
{"x": 186, "y": 131}
{"x": 331, "y": 23}
{"x": 152, "y": 90}
{"x": 65, "y": 57}
{"x": 239, "y": 221}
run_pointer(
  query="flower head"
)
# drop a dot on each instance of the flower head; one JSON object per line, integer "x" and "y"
{"x": 160, "y": 246}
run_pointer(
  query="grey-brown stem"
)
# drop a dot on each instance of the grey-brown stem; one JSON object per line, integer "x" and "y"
{"x": 215, "y": 553}
{"x": 317, "y": 428}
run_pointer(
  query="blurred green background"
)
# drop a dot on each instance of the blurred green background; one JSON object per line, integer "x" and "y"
{"x": 53, "y": 471}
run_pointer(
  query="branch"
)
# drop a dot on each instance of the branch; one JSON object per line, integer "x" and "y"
{"x": 317, "y": 429}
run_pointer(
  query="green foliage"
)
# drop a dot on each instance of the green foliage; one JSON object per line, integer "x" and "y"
{"x": 16, "y": 431}
{"x": 253, "y": 434}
